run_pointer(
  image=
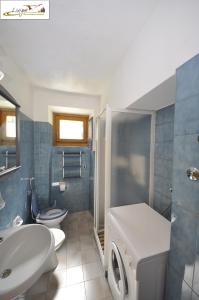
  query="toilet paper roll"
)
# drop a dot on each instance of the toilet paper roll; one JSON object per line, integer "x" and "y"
{"x": 62, "y": 186}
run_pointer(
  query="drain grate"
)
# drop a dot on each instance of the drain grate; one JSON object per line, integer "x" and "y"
{"x": 5, "y": 273}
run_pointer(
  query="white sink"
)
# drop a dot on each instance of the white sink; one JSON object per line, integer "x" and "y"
{"x": 25, "y": 254}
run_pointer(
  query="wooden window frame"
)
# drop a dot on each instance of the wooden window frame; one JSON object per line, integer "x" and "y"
{"x": 69, "y": 142}
{"x": 4, "y": 140}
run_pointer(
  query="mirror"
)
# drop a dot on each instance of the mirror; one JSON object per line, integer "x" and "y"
{"x": 9, "y": 133}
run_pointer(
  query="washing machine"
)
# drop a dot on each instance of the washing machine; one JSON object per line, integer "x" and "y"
{"x": 138, "y": 246}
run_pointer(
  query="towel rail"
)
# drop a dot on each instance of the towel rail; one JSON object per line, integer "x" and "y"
{"x": 70, "y": 153}
{"x": 6, "y": 154}
{"x": 77, "y": 167}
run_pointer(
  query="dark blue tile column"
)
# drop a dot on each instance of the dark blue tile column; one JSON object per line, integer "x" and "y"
{"x": 42, "y": 155}
{"x": 164, "y": 133}
{"x": 183, "y": 271}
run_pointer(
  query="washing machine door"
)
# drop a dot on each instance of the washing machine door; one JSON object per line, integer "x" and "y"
{"x": 118, "y": 272}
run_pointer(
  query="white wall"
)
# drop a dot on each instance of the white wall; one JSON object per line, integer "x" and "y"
{"x": 34, "y": 101}
{"x": 16, "y": 83}
{"x": 43, "y": 98}
{"x": 168, "y": 39}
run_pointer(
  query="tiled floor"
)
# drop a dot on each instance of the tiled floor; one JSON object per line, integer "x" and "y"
{"x": 79, "y": 274}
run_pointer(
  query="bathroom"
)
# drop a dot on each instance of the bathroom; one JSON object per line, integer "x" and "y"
{"x": 137, "y": 82}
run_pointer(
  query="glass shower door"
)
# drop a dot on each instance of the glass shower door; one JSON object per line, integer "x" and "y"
{"x": 123, "y": 165}
{"x": 130, "y": 158}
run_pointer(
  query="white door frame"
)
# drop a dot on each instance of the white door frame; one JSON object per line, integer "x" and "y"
{"x": 96, "y": 183}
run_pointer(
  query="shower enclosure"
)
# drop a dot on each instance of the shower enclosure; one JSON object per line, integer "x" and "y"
{"x": 124, "y": 164}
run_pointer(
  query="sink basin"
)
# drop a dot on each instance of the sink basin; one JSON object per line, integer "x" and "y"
{"x": 26, "y": 253}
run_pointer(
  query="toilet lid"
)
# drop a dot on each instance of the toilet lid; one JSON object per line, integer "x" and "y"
{"x": 59, "y": 236}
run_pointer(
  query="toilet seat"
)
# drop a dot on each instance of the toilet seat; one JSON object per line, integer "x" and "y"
{"x": 59, "y": 237}
{"x": 51, "y": 213}
{"x": 51, "y": 216}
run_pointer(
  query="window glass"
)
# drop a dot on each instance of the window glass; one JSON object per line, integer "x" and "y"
{"x": 71, "y": 130}
{"x": 10, "y": 126}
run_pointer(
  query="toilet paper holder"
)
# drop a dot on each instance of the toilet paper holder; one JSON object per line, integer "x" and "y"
{"x": 60, "y": 184}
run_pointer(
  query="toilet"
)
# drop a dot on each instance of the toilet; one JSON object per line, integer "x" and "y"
{"x": 50, "y": 217}
{"x": 59, "y": 237}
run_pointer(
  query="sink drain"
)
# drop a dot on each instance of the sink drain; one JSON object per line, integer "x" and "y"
{"x": 5, "y": 273}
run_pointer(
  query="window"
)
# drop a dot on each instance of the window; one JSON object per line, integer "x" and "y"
{"x": 7, "y": 126}
{"x": 70, "y": 130}
{"x": 10, "y": 126}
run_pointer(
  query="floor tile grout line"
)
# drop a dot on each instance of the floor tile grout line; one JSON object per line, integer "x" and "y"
{"x": 96, "y": 261}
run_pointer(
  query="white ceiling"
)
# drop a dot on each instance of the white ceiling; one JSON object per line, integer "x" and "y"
{"x": 80, "y": 46}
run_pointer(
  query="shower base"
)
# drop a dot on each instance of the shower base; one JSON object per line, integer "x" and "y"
{"x": 101, "y": 238}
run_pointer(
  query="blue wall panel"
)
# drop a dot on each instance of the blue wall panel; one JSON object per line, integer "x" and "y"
{"x": 39, "y": 159}
{"x": 14, "y": 191}
{"x": 164, "y": 132}
{"x": 183, "y": 273}
{"x": 48, "y": 169}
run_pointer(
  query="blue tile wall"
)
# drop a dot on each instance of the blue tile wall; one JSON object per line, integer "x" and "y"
{"x": 163, "y": 164}
{"x": 48, "y": 168}
{"x": 42, "y": 154}
{"x": 76, "y": 196}
{"x": 38, "y": 160}
{"x": 183, "y": 272}
{"x": 14, "y": 191}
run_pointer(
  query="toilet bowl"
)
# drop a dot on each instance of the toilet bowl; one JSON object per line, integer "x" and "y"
{"x": 59, "y": 237}
{"x": 51, "y": 217}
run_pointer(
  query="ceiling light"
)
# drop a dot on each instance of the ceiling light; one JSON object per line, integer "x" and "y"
{"x": 1, "y": 75}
